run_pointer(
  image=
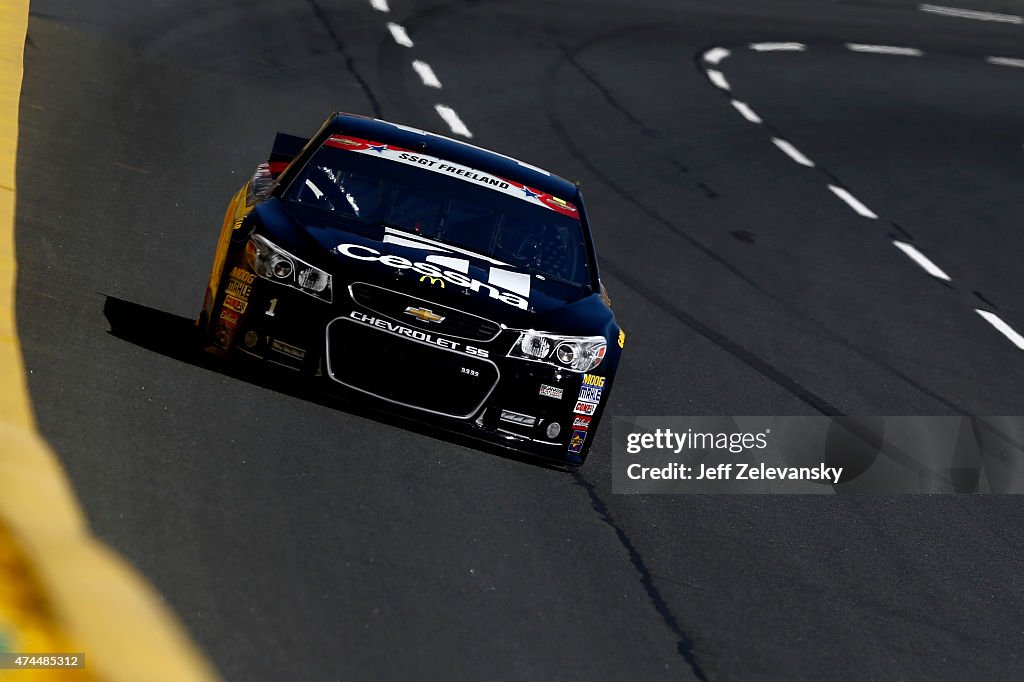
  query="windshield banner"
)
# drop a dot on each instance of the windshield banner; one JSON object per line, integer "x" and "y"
{"x": 443, "y": 167}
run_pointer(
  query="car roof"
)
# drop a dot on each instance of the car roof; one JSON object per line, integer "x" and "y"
{"x": 452, "y": 150}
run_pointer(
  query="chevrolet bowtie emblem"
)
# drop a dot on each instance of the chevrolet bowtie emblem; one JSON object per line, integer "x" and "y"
{"x": 423, "y": 314}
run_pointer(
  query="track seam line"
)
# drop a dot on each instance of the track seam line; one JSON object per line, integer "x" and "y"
{"x": 971, "y": 14}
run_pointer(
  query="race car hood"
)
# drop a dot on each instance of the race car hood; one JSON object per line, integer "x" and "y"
{"x": 434, "y": 271}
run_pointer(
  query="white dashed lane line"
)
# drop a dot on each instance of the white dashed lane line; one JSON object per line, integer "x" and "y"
{"x": 853, "y": 202}
{"x": 746, "y": 112}
{"x": 922, "y": 260}
{"x": 778, "y": 47}
{"x": 715, "y": 56}
{"x": 792, "y": 152}
{"x": 426, "y": 74}
{"x": 885, "y": 49}
{"x": 453, "y": 120}
{"x": 718, "y": 78}
{"x": 1005, "y": 61}
{"x": 971, "y": 14}
{"x": 399, "y": 34}
{"x": 1003, "y": 328}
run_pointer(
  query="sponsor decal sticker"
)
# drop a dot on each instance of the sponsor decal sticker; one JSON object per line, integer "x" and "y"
{"x": 581, "y": 422}
{"x": 550, "y": 391}
{"x": 591, "y": 394}
{"x": 230, "y": 317}
{"x": 593, "y": 380}
{"x": 577, "y": 440}
{"x": 622, "y": 339}
{"x": 583, "y": 407}
{"x": 236, "y": 304}
{"x": 441, "y": 166}
{"x": 434, "y": 273}
{"x": 242, "y": 275}
{"x": 239, "y": 289}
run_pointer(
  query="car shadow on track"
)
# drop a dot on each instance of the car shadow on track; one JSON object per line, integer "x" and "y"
{"x": 174, "y": 336}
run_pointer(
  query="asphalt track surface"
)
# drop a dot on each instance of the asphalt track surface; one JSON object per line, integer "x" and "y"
{"x": 301, "y": 541}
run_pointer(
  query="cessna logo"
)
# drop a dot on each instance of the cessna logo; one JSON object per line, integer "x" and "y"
{"x": 431, "y": 272}
{"x": 424, "y": 314}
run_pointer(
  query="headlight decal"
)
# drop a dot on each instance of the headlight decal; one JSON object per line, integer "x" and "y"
{"x": 573, "y": 353}
{"x": 271, "y": 262}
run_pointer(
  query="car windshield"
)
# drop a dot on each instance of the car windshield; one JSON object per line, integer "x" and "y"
{"x": 446, "y": 202}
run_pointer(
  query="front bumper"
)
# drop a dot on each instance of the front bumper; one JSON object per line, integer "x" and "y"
{"x": 454, "y": 375}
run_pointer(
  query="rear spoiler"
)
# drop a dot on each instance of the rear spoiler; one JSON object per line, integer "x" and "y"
{"x": 286, "y": 147}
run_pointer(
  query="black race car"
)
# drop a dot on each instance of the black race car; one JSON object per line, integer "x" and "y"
{"x": 454, "y": 285}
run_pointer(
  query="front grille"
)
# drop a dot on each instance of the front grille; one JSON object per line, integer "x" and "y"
{"x": 406, "y": 371}
{"x": 393, "y": 304}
